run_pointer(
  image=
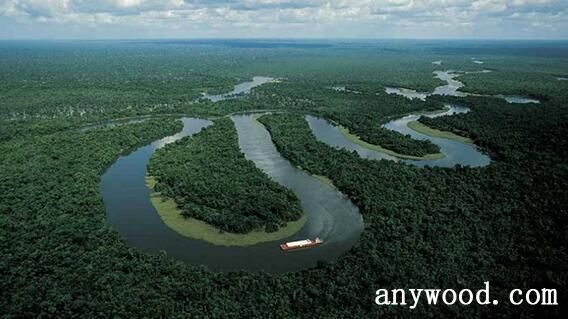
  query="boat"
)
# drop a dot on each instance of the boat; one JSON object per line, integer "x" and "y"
{"x": 301, "y": 244}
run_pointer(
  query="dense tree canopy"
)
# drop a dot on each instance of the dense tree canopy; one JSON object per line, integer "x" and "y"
{"x": 481, "y": 219}
{"x": 424, "y": 228}
{"x": 210, "y": 180}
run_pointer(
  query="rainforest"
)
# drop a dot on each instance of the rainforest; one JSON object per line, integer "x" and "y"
{"x": 159, "y": 179}
{"x": 222, "y": 189}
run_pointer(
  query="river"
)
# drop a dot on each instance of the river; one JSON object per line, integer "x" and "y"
{"x": 239, "y": 89}
{"x": 331, "y": 215}
{"x": 454, "y": 152}
{"x": 452, "y": 88}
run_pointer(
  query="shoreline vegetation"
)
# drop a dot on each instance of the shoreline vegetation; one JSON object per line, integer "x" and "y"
{"x": 426, "y": 130}
{"x": 357, "y": 140}
{"x": 324, "y": 179}
{"x": 452, "y": 227}
{"x": 193, "y": 228}
{"x": 211, "y": 180}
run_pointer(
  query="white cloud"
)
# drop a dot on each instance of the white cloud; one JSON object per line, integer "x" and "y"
{"x": 359, "y": 17}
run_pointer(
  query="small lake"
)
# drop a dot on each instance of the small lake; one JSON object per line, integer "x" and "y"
{"x": 407, "y": 93}
{"x": 517, "y": 99}
{"x": 331, "y": 215}
{"x": 342, "y": 88}
{"x": 239, "y": 89}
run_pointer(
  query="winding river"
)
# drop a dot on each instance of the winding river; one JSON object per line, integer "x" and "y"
{"x": 331, "y": 215}
{"x": 454, "y": 152}
{"x": 240, "y": 88}
{"x": 452, "y": 88}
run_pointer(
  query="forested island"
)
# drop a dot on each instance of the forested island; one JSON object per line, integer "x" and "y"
{"x": 210, "y": 180}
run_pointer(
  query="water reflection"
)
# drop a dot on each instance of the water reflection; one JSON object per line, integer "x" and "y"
{"x": 239, "y": 89}
{"x": 516, "y": 99}
{"x": 331, "y": 215}
{"x": 452, "y": 88}
{"x": 407, "y": 93}
{"x": 342, "y": 88}
{"x": 454, "y": 152}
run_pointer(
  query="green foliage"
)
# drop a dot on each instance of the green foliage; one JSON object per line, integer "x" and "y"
{"x": 425, "y": 228}
{"x": 523, "y": 129}
{"x": 367, "y": 117}
{"x": 210, "y": 180}
{"x": 476, "y": 224}
{"x": 363, "y": 113}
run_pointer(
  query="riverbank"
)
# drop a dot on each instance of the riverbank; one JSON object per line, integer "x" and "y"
{"x": 196, "y": 229}
{"x": 324, "y": 179}
{"x": 357, "y": 140}
{"x": 426, "y": 130}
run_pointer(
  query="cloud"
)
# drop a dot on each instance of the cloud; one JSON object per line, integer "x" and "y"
{"x": 356, "y": 18}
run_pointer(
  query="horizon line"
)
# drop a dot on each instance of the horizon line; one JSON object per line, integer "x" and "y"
{"x": 283, "y": 39}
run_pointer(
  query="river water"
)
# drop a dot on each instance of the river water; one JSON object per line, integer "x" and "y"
{"x": 241, "y": 88}
{"x": 331, "y": 216}
{"x": 454, "y": 152}
{"x": 452, "y": 88}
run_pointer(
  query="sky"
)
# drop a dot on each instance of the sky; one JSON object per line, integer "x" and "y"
{"x": 139, "y": 19}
